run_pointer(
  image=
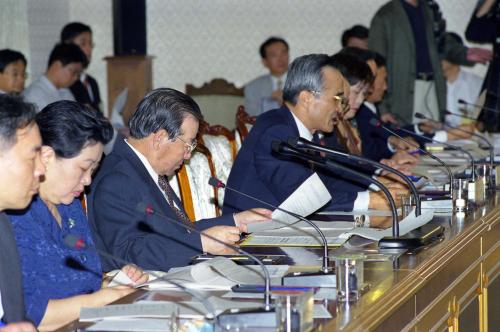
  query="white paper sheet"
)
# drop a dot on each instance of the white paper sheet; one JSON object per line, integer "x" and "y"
{"x": 308, "y": 198}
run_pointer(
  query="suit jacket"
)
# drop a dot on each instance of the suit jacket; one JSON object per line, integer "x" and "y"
{"x": 10, "y": 274}
{"x": 258, "y": 96}
{"x": 257, "y": 171}
{"x": 82, "y": 95}
{"x": 374, "y": 139}
{"x": 391, "y": 35}
{"x": 120, "y": 185}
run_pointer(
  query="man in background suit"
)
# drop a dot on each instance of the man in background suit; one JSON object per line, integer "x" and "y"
{"x": 20, "y": 145}
{"x": 162, "y": 136}
{"x": 85, "y": 90}
{"x": 266, "y": 92}
{"x": 315, "y": 94}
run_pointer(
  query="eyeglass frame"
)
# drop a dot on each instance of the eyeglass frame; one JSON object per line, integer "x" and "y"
{"x": 190, "y": 146}
{"x": 344, "y": 101}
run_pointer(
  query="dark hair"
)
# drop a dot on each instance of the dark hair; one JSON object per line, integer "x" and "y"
{"x": 361, "y": 54}
{"x": 305, "y": 74}
{"x": 14, "y": 114}
{"x": 268, "y": 42}
{"x": 73, "y": 30}
{"x": 163, "y": 108}
{"x": 68, "y": 127}
{"x": 353, "y": 69}
{"x": 357, "y": 31}
{"x": 9, "y": 56}
{"x": 66, "y": 54}
{"x": 379, "y": 60}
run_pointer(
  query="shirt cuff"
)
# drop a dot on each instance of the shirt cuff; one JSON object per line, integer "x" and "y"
{"x": 441, "y": 136}
{"x": 390, "y": 147}
{"x": 417, "y": 130}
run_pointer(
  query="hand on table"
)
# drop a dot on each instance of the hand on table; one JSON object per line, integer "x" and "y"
{"x": 226, "y": 234}
{"x": 242, "y": 219}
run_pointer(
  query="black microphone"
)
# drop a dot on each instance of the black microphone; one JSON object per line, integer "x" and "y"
{"x": 493, "y": 110}
{"x": 75, "y": 242}
{"x": 446, "y": 112}
{"x": 379, "y": 124}
{"x": 324, "y": 268}
{"x": 265, "y": 317}
{"x": 302, "y": 143}
{"x": 325, "y": 278}
{"x": 286, "y": 150}
{"x": 453, "y": 147}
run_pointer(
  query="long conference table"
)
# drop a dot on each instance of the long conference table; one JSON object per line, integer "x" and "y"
{"x": 450, "y": 285}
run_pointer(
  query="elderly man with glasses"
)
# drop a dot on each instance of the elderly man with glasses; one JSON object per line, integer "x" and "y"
{"x": 162, "y": 136}
{"x": 315, "y": 97}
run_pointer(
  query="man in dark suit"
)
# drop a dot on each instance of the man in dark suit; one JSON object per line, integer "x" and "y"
{"x": 162, "y": 136}
{"x": 85, "y": 90}
{"x": 20, "y": 145}
{"x": 315, "y": 94}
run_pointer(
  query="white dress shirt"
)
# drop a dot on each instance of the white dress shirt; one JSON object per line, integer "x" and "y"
{"x": 361, "y": 202}
{"x": 467, "y": 86}
{"x": 43, "y": 92}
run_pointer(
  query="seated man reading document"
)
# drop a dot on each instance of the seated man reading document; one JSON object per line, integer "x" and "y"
{"x": 163, "y": 133}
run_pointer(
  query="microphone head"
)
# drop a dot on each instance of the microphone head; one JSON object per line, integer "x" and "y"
{"x": 214, "y": 182}
{"x": 447, "y": 112}
{"x": 293, "y": 141}
{"x": 74, "y": 242}
{"x": 461, "y": 101}
{"x": 276, "y": 146}
{"x": 420, "y": 116}
{"x": 375, "y": 123}
{"x": 144, "y": 208}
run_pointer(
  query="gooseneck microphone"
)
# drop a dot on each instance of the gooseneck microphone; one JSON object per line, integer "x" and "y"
{"x": 325, "y": 277}
{"x": 148, "y": 209}
{"x": 324, "y": 268}
{"x": 284, "y": 149}
{"x": 379, "y": 124}
{"x": 302, "y": 143}
{"x": 489, "y": 109}
{"x": 491, "y": 149}
{"x": 453, "y": 147}
{"x": 75, "y": 242}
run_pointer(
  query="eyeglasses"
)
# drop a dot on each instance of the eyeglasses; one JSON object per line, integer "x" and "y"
{"x": 188, "y": 147}
{"x": 341, "y": 101}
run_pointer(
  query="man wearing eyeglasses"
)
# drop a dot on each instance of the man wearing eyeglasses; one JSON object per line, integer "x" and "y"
{"x": 314, "y": 97}
{"x": 163, "y": 133}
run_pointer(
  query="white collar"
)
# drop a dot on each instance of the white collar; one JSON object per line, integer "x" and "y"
{"x": 303, "y": 131}
{"x": 371, "y": 107}
{"x": 145, "y": 162}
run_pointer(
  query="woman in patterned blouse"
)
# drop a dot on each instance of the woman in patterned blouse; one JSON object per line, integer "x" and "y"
{"x": 59, "y": 280}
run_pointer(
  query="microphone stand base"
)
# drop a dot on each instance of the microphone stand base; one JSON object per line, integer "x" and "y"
{"x": 310, "y": 279}
{"x": 253, "y": 318}
{"x": 419, "y": 237}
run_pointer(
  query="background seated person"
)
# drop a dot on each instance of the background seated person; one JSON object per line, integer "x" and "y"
{"x": 66, "y": 62}
{"x": 57, "y": 280}
{"x": 266, "y": 92}
{"x": 12, "y": 71}
{"x": 314, "y": 98}
{"x": 163, "y": 133}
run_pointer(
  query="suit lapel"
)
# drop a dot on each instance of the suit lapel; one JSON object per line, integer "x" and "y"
{"x": 10, "y": 273}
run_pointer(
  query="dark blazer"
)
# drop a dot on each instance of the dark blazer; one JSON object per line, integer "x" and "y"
{"x": 121, "y": 184}
{"x": 374, "y": 140}
{"x": 10, "y": 274}
{"x": 81, "y": 94}
{"x": 257, "y": 171}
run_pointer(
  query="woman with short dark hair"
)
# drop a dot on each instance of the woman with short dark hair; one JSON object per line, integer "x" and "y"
{"x": 58, "y": 280}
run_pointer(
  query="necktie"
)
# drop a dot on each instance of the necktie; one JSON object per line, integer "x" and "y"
{"x": 169, "y": 192}
{"x": 279, "y": 85}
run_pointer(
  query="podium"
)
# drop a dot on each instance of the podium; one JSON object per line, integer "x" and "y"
{"x": 134, "y": 72}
